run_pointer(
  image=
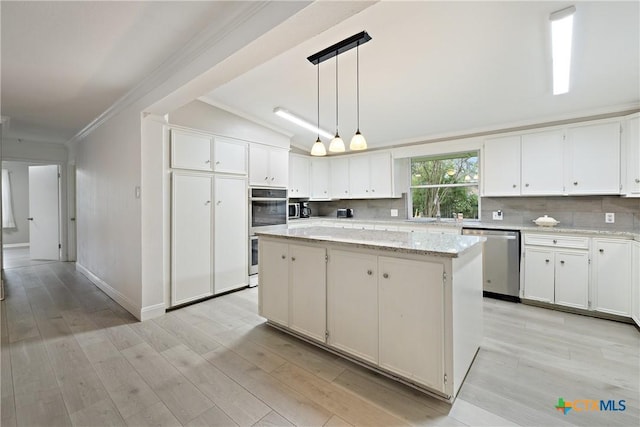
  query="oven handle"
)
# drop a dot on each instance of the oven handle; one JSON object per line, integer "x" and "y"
{"x": 267, "y": 199}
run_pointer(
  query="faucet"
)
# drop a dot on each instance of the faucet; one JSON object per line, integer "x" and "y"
{"x": 436, "y": 202}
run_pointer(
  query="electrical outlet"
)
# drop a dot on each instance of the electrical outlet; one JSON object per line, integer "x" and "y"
{"x": 497, "y": 215}
{"x": 394, "y": 212}
{"x": 610, "y": 217}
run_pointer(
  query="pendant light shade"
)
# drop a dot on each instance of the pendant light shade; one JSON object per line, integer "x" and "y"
{"x": 358, "y": 142}
{"x": 318, "y": 147}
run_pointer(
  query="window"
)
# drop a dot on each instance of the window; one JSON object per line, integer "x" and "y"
{"x": 448, "y": 182}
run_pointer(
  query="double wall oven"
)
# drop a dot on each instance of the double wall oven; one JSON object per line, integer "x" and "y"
{"x": 268, "y": 210}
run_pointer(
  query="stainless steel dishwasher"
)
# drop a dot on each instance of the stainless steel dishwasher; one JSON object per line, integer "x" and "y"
{"x": 501, "y": 262}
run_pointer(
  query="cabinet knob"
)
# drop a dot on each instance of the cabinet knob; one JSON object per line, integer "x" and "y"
{"x": 575, "y": 183}
{"x": 555, "y": 241}
{"x": 601, "y": 251}
{"x": 219, "y": 202}
{"x": 637, "y": 180}
{"x": 547, "y": 261}
{"x": 325, "y": 191}
{"x": 207, "y": 202}
{"x": 266, "y": 178}
{"x": 284, "y": 256}
{"x": 366, "y": 191}
{"x": 218, "y": 162}
{"x": 526, "y": 185}
{"x": 346, "y": 191}
{"x": 373, "y": 190}
{"x": 293, "y": 258}
{"x": 385, "y": 275}
{"x": 514, "y": 186}
{"x": 207, "y": 161}
{"x": 369, "y": 272}
{"x": 561, "y": 262}
{"x": 30, "y": 219}
{"x": 272, "y": 178}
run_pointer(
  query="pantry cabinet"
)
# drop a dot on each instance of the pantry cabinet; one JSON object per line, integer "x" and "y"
{"x": 612, "y": 274}
{"x": 501, "y": 163}
{"x": 268, "y": 166}
{"x": 191, "y": 150}
{"x": 320, "y": 179}
{"x": 543, "y": 163}
{"x": 299, "y": 167}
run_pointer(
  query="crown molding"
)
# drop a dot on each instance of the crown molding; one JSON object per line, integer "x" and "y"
{"x": 196, "y": 47}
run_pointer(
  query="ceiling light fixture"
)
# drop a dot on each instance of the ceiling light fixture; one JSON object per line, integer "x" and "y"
{"x": 279, "y": 111}
{"x": 561, "y": 38}
{"x": 318, "y": 146}
{"x": 357, "y": 142}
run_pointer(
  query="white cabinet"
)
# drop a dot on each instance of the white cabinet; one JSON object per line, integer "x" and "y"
{"x": 299, "y": 176}
{"x": 308, "y": 304}
{"x": 230, "y": 233}
{"x": 353, "y": 282}
{"x": 359, "y": 177}
{"x": 229, "y": 156}
{"x": 612, "y": 275}
{"x": 191, "y": 237}
{"x": 411, "y": 319}
{"x": 320, "y": 179}
{"x": 268, "y": 166}
{"x": 339, "y": 180}
{"x": 190, "y": 150}
{"x": 635, "y": 284}
{"x": 543, "y": 163}
{"x": 630, "y": 160}
{"x": 594, "y": 159}
{"x": 370, "y": 176}
{"x": 556, "y": 269}
{"x": 501, "y": 166}
{"x": 274, "y": 281}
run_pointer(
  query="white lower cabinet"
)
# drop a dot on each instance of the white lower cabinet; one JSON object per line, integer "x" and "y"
{"x": 353, "y": 282}
{"x": 307, "y": 278}
{"x": 572, "y": 278}
{"x": 539, "y": 274}
{"x": 411, "y": 319}
{"x": 612, "y": 273}
{"x": 191, "y": 237}
{"x": 274, "y": 281}
{"x": 635, "y": 284}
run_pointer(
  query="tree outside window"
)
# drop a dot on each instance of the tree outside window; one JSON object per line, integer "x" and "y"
{"x": 451, "y": 180}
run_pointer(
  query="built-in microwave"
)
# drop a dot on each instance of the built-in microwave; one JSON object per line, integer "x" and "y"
{"x": 294, "y": 210}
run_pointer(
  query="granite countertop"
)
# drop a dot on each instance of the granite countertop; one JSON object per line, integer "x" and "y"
{"x": 445, "y": 245}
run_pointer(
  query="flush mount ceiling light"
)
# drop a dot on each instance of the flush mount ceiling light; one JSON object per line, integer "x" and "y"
{"x": 561, "y": 38}
{"x": 279, "y": 111}
{"x": 357, "y": 142}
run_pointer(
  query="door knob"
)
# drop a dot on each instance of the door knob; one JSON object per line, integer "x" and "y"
{"x": 30, "y": 219}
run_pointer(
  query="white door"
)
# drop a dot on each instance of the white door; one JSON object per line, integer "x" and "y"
{"x": 44, "y": 212}
{"x": 190, "y": 151}
{"x": 339, "y": 178}
{"x": 572, "y": 278}
{"x": 279, "y": 168}
{"x": 543, "y": 163}
{"x": 273, "y": 276}
{"x": 308, "y": 272}
{"x": 539, "y": 274}
{"x": 359, "y": 176}
{"x": 258, "y": 165}
{"x": 192, "y": 249}
{"x": 501, "y": 166}
{"x": 319, "y": 178}
{"x": 231, "y": 240}
{"x": 612, "y": 276}
{"x": 229, "y": 156}
{"x": 380, "y": 179}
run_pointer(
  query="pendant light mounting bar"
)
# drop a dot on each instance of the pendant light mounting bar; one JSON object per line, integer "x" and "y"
{"x": 340, "y": 47}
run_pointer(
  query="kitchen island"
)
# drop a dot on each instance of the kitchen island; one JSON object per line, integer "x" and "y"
{"x": 406, "y": 304}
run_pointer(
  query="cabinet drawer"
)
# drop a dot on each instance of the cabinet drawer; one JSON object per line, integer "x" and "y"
{"x": 557, "y": 240}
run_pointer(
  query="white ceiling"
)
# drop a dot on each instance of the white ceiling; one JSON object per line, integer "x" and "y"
{"x": 445, "y": 68}
{"x": 65, "y": 63}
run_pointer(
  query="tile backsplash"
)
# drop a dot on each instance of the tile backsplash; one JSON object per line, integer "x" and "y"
{"x": 583, "y": 211}
{"x": 363, "y": 209}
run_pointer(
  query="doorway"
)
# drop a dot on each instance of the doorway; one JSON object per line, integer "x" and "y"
{"x": 31, "y": 213}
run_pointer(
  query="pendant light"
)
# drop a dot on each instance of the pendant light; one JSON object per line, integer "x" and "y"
{"x": 336, "y": 145}
{"x": 358, "y": 142}
{"x": 318, "y": 146}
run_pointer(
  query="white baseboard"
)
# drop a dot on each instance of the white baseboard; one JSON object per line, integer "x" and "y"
{"x": 152, "y": 311}
{"x": 116, "y": 295}
{"x": 15, "y": 245}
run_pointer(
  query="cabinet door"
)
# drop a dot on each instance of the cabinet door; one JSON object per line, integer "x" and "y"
{"x": 501, "y": 166}
{"x": 539, "y": 274}
{"x": 229, "y": 156}
{"x": 308, "y": 272}
{"x": 543, "y": 163}
{"x": 612, "y": 276}
{"x": 191, "y": 241}
{"x": 632, "y": 141}
{"x": 572, "y": 278}
{"x": 319, "y": 179}
{"x": 279, "y": 167}
{"x": 359, "y": 177}
{"x": 259, "y": 165}
{"x": 231, "y": 235}
{"x": 635, "y": 284}
{"x": 352, "y": 303}
{"x": 411, "y": 319}
{"x": 380, "y": 176}
{"x": 190, "y": 151}
{"x": 273, "y": 276}
{"x": 594, "y": 159}
{"x": 339, "y": 180}
{"x": 299, "y": 176}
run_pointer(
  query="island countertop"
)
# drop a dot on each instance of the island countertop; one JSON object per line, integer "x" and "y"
{"x": 445, "y": 245}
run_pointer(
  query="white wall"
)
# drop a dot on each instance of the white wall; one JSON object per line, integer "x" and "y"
{"x": 19, "y": 180}
{"x": 199, "y": 115}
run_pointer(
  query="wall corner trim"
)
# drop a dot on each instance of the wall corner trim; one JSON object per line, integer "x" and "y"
{"x": 152, "y": 311}
{"x": 116, "y": 295}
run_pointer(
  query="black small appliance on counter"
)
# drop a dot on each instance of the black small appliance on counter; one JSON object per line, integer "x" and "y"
{"x": 345, "y": 213}
{"x": 305, "y": 210}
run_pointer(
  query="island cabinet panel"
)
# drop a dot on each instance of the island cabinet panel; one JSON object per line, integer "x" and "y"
{"x": 411, "y": 310}
{"x": 307, "y": 275}
{"x": 274, "y": 281}
{"x": 352, "y": 303}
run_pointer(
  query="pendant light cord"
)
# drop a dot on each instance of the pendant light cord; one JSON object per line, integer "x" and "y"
{"x": 336, "y": 93}
{"x": 358, "y": 84}
{"x": 318, "y": 101}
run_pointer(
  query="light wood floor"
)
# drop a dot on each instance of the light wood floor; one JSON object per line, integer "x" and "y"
{"x": 19, "y": 257}
{"x": 70, "y": 355}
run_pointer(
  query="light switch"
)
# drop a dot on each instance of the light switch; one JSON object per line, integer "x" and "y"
{"x": 497, "y": 215}
{"x": 394, "y": 212}
{"x": 610, "y": 217}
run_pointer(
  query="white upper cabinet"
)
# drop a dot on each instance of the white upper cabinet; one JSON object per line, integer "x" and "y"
{"x": 630, "y": 160}
{"x": 370, "y": 176}
{"x": 501, "y": 166}
{"x": 299, "y": 176}
{"x": 268, "y": 166}
{"x": 542, "y": 163}
{"x": 229, "y": 156}
{"x": 319, "y": 179}
{"x": 359, "y": 177}
{"x": 190, "y": 150}
{"x": 339, "y": 179}
{"x": 594, "y": 159}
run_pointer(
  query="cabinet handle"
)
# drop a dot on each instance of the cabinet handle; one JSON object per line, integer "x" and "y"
{"x": 373, "y": 190}
{"x": 31, "y": 219}
{"x": 369, "y": 272}
{"x": 325, "y": 191}
{"x": 555, "y": 241}
{"x": 219, "y": 202}
{"x": 366, "y": 191}
{"x": 385, "y": 275}
{"x": 272, "y": 178}
{"x": 207, "y": 161}
{"x": 514, "y": 186}
{"x": 293, "y": 258}
{"x": 266, "y": 178}
{"x": 284, "y": 256}
{"x": 346, "y": 191}
{"x": 207, "y": 202}
{"x": 547, "y": 261}
{"x": 637, "y": 180}
{"x": 561, "y": 262}
{"x": 601, "y": 251}
{"x": 218, "y": 162}
{"x": 526, "y": 185}
{"x": 575, "y": 183}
